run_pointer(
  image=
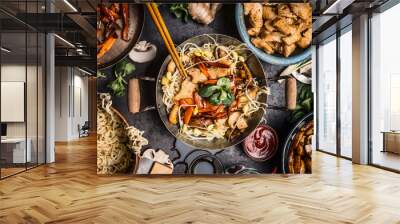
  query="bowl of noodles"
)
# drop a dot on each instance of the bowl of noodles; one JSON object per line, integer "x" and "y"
{"x": 220, "y": 101}
{"x": 118, "y": 143}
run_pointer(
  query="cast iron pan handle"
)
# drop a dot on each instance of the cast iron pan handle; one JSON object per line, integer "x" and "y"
{"x": 134, "y": 95}
{"x": 291, "y": 94}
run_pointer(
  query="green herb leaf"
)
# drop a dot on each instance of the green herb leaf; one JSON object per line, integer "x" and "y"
{"x": 224, "y": 82}
{"x": 307, "y": 104}
{"x": 207, "y": 91}
{"x": 129, "y": 68}
{"x": 124, "y": 68}
{"x": 228, "y": 100}
{"x": 180, "y": 11}
{"x": 214, "y": 99}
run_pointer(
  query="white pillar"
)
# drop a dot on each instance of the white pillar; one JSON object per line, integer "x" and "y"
{"x": 360, "y": 90}
{"x": 50, "y": 92}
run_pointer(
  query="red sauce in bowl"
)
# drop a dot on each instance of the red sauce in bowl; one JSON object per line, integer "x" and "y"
{"x": 261, "y": 144}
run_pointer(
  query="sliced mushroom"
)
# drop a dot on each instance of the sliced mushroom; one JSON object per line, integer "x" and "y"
{"x": 143, "y": 52}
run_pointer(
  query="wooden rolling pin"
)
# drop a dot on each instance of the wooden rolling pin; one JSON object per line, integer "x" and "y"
{"x": 291, "y": 93}
{"x": 134, "y": 95}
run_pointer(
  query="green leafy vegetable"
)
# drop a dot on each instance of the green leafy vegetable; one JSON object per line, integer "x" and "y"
{"x": 304, "y": 105}
{"x": 180, "y": 11}
{"x": 215, "y": 99}
{"x": 207, "y": 91}
{"x": 219, "y": 93}
{"x": 224, "y": 83}
{"x": 121, "y": 70}
{"x": 228, "y": 100}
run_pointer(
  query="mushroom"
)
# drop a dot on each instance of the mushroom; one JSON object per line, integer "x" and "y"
{"x": 143, "y": 52}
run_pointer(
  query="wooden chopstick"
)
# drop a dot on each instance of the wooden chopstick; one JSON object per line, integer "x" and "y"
{"x": 160, "y": 24}
{"x": 168, "y": 37}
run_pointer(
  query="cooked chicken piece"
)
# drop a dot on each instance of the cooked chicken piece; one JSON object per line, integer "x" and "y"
{"x": 241, "y": 123}
{"x": 284, "y": 10}
{"x": 269, "y": 12}
{"x": 278, "y": 47}
{"x": 171, "y": 66}
{"x": 288, "y": 49}
{"x": 306, "y": 38}
{"x": 274, "y": 36}
{"x": 283, "y": 27}
{"x": 220, "y": 123}
{"x": 197, "y": 76}
{"x": 303, "y": 27}
{"x": 255, "y": 19}
{"x": 253, "y": 31}
{"x": 290, "y": 21}
{"x": 302, "y": 10}
{"x": 233, "y": 118}
{"x": 260, "y": 43}
{"x": 186, "y": 91}
{"x": 268, "y": 26}
{"x": 215, "y": 72}
{"x": 248, "y": 7}
{"x": 289, "y": 40}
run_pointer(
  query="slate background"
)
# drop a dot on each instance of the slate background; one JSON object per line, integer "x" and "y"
{"x": 149, "y": 121}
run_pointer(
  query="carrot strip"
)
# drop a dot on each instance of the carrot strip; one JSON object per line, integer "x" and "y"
{"x": 211, "y": 81}
{"x": 204, "y": 70}
{"x": 188, "y": 115}
{"x": 106, "y": 46}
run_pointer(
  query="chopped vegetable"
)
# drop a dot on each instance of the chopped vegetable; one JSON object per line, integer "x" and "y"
{"x": 121, "y": 70}
{"x": 304, "y": 103}
{"x": 106, "y": 46}
{"x": 204, "y": 70}
{"x": 219, "y": 93}
{"x": 180, "y": 11}
{"x": 188, "y": 114}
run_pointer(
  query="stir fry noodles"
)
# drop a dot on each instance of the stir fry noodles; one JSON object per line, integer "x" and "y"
{"x": 219, "y": 95}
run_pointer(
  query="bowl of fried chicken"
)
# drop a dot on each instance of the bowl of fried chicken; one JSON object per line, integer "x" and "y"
{"x": 279, "y": 34}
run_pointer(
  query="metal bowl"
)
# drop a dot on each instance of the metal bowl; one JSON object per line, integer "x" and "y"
{"x": 270, "y": 58}
{"x": 309, "y": 117}
{"x": 257, "y": 71}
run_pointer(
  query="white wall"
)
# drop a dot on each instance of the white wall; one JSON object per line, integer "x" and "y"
{"x": 70, "y": 83}
{"x": 34, "y": 125}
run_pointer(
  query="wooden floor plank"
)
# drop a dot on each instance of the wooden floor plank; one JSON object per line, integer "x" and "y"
{"x": 69, "y": 191}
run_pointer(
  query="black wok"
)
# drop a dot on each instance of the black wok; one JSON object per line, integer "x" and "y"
{"x": 257, "y": 71}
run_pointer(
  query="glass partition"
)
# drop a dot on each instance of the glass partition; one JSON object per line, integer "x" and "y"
{"x": 346, "y": 93}
{"x": 327, "y": 96}
{"x": 14, "y": 68}
{"x": 385, "y": 89}
{"x": 22, "y": 88}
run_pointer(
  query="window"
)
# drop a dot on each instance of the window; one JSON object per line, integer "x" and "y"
{"x": 346, "y": 74}
{"x": 385, "y": 89}
{"x": 327, "y": 96}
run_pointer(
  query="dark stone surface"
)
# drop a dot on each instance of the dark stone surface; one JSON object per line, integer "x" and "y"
{"x": 149, "y": 121}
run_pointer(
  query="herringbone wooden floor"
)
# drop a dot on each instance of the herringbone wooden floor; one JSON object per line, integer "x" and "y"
{"x": 69, "y": 191}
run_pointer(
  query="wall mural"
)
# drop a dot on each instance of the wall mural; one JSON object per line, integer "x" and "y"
{"x": 200, "y": 88}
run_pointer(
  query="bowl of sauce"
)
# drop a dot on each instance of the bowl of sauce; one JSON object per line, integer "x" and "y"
{"x": 261, "y": 144}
